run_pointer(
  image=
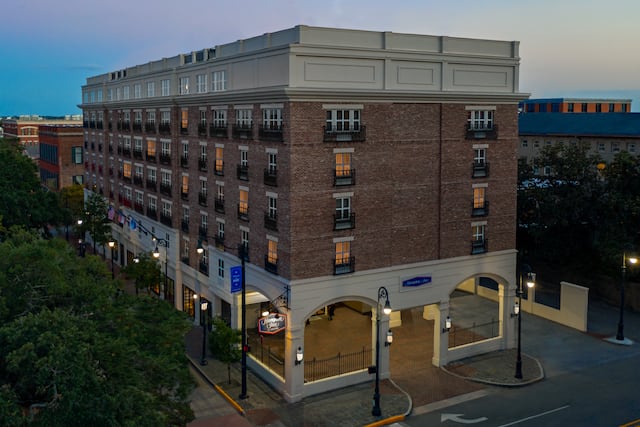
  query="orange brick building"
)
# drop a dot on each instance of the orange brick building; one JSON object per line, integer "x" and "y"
{"x": 61, "y": 156}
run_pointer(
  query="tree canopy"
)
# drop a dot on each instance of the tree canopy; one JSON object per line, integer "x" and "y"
{"x": 76, "y": 352}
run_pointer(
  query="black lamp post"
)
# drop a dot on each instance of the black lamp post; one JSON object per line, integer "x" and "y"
{"x": 156, "y": 254}
{"x": 112, "y": 245}
{"x": 203, "y": 315}
{"x": 623, "y": 277}
{"x": 245, "y": 346}
{"x": 382, "y": 293}
{"x": 531, "y": 277}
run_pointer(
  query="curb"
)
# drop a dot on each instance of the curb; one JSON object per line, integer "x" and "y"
{"x": 217, "y": 388}
{"x": 501, "y": 384}
{"x": 386, "y": 421}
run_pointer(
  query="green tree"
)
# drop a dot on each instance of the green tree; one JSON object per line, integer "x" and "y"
{"x": 23, "y": 201}
{"x": 71, "y": 203}
{"x": 145, "y": 271}
{"x": 95, "y": 221}
{"x": 224, "y": 344}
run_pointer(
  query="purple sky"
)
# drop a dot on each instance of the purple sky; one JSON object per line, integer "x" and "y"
{"x": 568, "y": 48}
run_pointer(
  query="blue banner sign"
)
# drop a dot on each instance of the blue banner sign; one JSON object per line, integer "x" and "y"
{"x": 236, "y": 279}
{"x": 416, "y": 281}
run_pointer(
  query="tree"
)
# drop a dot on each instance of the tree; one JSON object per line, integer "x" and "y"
{"x": 94, "y": 356}
{"x": 224, "y": 343}
{"x": 145, "y": 272}
{"x": 95, "y": 221}
{"x": 23, "y": 201}
{"x": 71, "y": 203}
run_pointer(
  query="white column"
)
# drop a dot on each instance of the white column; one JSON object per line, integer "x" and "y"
{"x": 440, "y": 338}
{"x": 294, "y": 374}
{"x": 383, "y": 368}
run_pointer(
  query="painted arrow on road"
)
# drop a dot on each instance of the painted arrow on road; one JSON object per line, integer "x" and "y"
{"x": 457, "y": 418}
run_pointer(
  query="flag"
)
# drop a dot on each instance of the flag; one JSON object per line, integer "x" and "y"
{"x": 111, "y": 213}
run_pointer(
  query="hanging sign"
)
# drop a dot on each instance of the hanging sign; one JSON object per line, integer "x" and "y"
{"x": 272, "y": 324}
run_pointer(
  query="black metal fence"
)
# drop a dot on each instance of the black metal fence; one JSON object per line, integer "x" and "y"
{"x": 474, "y": 333}
{"x": 342, "y": 363}
{"x": 269, "y": 357}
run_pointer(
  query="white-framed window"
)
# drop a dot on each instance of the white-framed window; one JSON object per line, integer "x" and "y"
{"x": 165, "y": 87}
{"x": 165, "y": 147}
{"x": 166, "y": 209}
{"x": 272, "y": 206}
{"x": 139, "y": 198}
{"x": 201, "y": 83}
{"x": 127, "y": 143}
{"x": 536, "y": 144}
{"x": 244, "y": 158}
{"x": 547, "y": 170}
{"x": 221, "y": 268}
{"x": 244, "y": 237}
{"x": 272, "y": 118}
{"x": 219, "y": 118}
{"x": 480, "y": 119}
{"x": 478, "y": 232}
{"x": 243, "y": 118}
{"x": 343, "y": 208}
{"x": 525, "y": 143}
{"x": 99, "y": 96}
{"x": 109, "y": 94}
{"x": 203, "y": 118}
{"x": 137, "y": 117}
{"x": 204, "y": 221}
{"x": 165, "y": 176}
{"x": 219, "y": 81}
{"x": 272, "y": 162}
{"x": 125, "y": 92}
{"x": 343, "y": 120}
{"x": 631, "y": 147}
{"x": 480, "y": 156}
{"x": 203, "y": 186}
{"x": 185, "y": 214}
{"x": 151, "y": 89}
{"x": 137, "y": 91}
{"x": 138, "y": 171}
{"x": 152, "y": 202}
{"x": 184, "y": 85}
{"x": 151, "y": 175}
{"x": 185, "y": 149}
{"x": 165, "y": 117}
{"x": 220, "y": 231}
{"x": 601, "y": 147}
{"x": 76, "y": 155}
{"x": 220, "y": 191}
{"x": 151, "y": 117}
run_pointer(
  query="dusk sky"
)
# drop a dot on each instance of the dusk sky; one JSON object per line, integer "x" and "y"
{"x": 569, "y": 48}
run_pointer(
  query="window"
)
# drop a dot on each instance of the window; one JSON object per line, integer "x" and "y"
{"x": 165, "y": 147}
{"x": 272, "y": 163}
{"x": 221, "y": 268}
{"x": 525, "y": 143}
{"x": 219, "y": 81}
{"x": 479, "y": 202}
{"x": 151, "y": 89}
{"x": 151, "y": 117}
{"x": 185, "y": 215}
{"x": 244, "y": 238}
{"x": 78, "y": 179}
{"x": 219, "y": 165}
{"x": 203, "y": 119}
{"x": 612, "y": 107}
{"x": 536, "y": 144}
{"x": 166, "y": 209}
{"x": 343, "y": 207}
{"x": 166, "y": 178}
{"x": 109, "y": 94}
{"x": 125, "y": 92}
{"x": 570, "y": 107}
{"x": 76, "y": 155}
{"x": 185, "y": 249}
{"x": 138, "y": 172}
{"x": 547, "y": 170}
{"x": 188, "y": 301}
{"x": 185, "y": 185}
{"x": 273, "y": 207}
{"x": 165, "y": 87}
{"x": 243, "y": 118}
{"x": 151, "y": 148}
{"x": 272, "y": 252}
{"x": 343, "y": 261}
{"x": 204, "y": 224}
{"x": 243, "y": 205}
{"x": 480, "y": 156}
{"x": 126, "y": 171}
{"x": 547, "y": 143}
{"x": 137, "y": 91}
{"x": 615, "y": 147}
{"x": 220, "y": 118}
{"x": 201, "y": 83}
{"x": 478, "y": 233}
{"x": 343, "y": 120}
{"x": 153, "y": 203}
{"x": 584, "y": 107}
{"x": 184, "y": 121}
{"x": 480, "y": 119}
{"x": 272, "y": 118}
{"x": 631, "y": 148}
{"x": 185, "y": 149}
{"x": 220, "y": 232}
{"x": 184, "y": 85}
{"x": 624, "y": 108}
{"x": 343, "y": 172}
{"x": 478, "y": 239}
{"x": 598, "y": 108}
{"x": 165, "y": 118}
{"x": 151, "y": 175}
{"x": 601, "y": 147}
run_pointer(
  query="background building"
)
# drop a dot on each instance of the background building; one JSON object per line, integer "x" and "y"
{"x": 26, "y": 129}
{"x": 61, "y": 155}
{"x": 254, "y": 146}
{"x": 575, "y": 105}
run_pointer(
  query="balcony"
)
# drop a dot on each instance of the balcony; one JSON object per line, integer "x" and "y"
{"x": 137, "y": 180}
{"x": 110, "y": 171}
{"x": 243, "y": 131}
{"x": 166, "y": 220}
{"x": 243, "y": 212}
{"x": 184, "y": 225}
{"x": 110, "y": 149}
{"x": 219, "y": 241}
{"x": 219, "y": 168}
{"x": 202, "y": 232}
{"x": 139, "y": 207}
{"x": 137, "y": 127}
{"x": 479, "y": 246}
{"x": 202, "y": 199}
{"x": 184, "y": 130}
{"x": 204, "y": 268}
{"x": 151, "y": 184}
{"x": 481, "y": 133}
{"x": 119, "y": 149}
{"x": 150, "y": 127}
{"x": 126, "y": 126}
{"x": 202, "y": 129}
{"x": 480, "y": 170}
{"x": 93, "y": 146}
{"x": 165, "y": 189}
{"x": 152, "y": 213}
{"x": 219, "y": 131}
{"x": 164, "y": 128}
{"x": 344, "y": 221}
{"x": 218, "y": 205}
{"x": 126, "y": 151}
{"x": 137, "y": 154}
{"x": 344, "y": 177}
{"x": 344, "y": 265}
{"x": 184, "y": 195}
{"x": 92, "y": 124}
{"x": 126, "y": 178}
{"x": 99, "y": 125}
{"x": 184, "y": 161}
{"x": 202, "y": 163}
{"x": 271, "y": 177}
{"x": 271, "y": 265}
{"x": 270, "y": 133}
{"x": 85, "y": 124}
{"x": 271, "y": 221}
{"x": 110, "y": 126}
{"x": 151, "y": 157}
{"x": 353, "y": 135}
{"x": 100, "y": 147}
{"x": 243, "y": 172}
{"x": 480, "y": 208}
{"x": 165, "y": 158}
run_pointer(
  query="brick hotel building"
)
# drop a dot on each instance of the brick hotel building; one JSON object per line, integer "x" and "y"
{"x": 341, "y": 160}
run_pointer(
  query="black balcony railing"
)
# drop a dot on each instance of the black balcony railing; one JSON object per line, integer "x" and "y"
{"x": 151, "y": 157}
{"x": 219, "y": 131}
{"x": 150, "y": 127}
{"x": 204, "y": 268}
{"x": 152, "y": 213}
{"x": 202, "y": 129}
{"x": 184, "y": 130}
{"x": 202, "y": 199}
{"x": 219, "y": 241}
{"x": 165, "y": 189}
{"x": 166, "y": 220}
{"x": 243, "y": 131}
{"x": 139, "y": 207}
{"x": 202, "y": 232}
{"x": 353, "y": 135}
{"x": 243, "y": 172}
{"x": 243, "y": 212}
{"x": 184, "y": 161}
{"x": 271, "y": 177}
{"x": 271, "y": 265}
{"x": 137, "y": 154}
{"x": 480, "y": 209}
{"x": 219, "y": 168}
{"x": 344, "y": 265}
{"x": 184, "y": 195}
{"x": 481, "y": 133}
{"x": 344, "y": 177}
{"x": 111, "y": 148}
{"x": 164, "y": 128}
{"x": 126, "y": 126}
{"x": 100, "y": 147}
{"x": 137, "y": 180}
{"x": 219, "y": 205}
{"x": 271, "y": 221}
{"x": 185, "y": 260}
{"x": 344, "y": 222}
{"x": 202, "y": 163}
{"x": 479, "y": 246}
{"x": 126, "y": 151}
{"x": 99, "y": 124}
{"x": 270, "y": 133}
{"x": 151, "y": 184}
{"x": 137, "y": 127}
{"x": 184, "y": 225}
{"x": 165, "y": 158}
{"x": 480, "y": 170}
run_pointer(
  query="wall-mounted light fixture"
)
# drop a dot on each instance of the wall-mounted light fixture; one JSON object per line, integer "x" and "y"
{"x": 299, "y": 356}
{"x": 389, "y": 339}
{"x": 447, "y": 325}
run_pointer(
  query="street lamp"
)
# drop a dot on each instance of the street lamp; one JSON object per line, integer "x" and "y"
{"x": 156, "y": 254}
{"x": 517, "y": 309}
{"x": 382, "y": 293}
{"x": 203, "y": 309}
{"x": 112, "y": 245}
{"x": 245, "y": 347}
{"x": 631, "y": 260}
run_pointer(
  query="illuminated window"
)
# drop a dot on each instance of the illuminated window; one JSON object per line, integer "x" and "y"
{"x": 272, "y": 252}
{"x": 243, "y": 206}
{"x": 184, "y": 85}
{"x": 219, "y": 166}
